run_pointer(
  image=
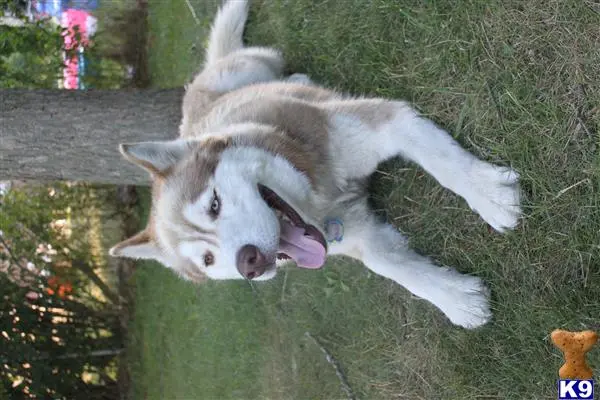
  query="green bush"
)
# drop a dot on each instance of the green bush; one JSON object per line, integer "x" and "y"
{"x": 31, "y": 55}
{"x": 102, "y": 72}
{"x": 59, "y": 321}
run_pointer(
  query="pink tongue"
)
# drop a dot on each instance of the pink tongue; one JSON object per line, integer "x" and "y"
{"x": 306, "y": 251}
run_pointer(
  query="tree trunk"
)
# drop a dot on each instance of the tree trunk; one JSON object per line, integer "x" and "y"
{"x": 74, "y": 135}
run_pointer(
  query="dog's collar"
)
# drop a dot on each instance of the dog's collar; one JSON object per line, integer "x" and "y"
{"x": 334, "y": 230}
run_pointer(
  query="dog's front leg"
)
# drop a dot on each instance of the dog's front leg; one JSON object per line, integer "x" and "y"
{"x": 369, "y": 131}
{"x": 463, "y": 298}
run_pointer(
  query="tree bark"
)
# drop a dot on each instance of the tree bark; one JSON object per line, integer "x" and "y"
{"x": 74, "y": 135}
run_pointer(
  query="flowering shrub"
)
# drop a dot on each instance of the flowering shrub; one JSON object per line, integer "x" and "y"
{"x": 59, "y": 326}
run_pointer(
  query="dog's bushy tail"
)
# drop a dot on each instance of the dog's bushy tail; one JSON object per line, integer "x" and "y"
{"x": 227, "y": 30}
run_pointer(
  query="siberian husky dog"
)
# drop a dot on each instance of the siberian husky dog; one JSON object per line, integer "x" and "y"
{"x": 270, "y": 169}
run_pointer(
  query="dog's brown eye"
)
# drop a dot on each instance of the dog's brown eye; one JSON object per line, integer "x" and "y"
{"x": 215, "y": 205}
{"x": 209, "y": 259}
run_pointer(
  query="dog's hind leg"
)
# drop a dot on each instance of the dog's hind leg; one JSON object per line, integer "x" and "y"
{"x": 228, "y": 65}
{"x": 369, "y": 131}
{"x": 462, "y": 298}
{"x": 242, "y": 68}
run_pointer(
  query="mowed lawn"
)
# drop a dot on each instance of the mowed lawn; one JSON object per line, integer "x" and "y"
{"x": 515, "y": 82}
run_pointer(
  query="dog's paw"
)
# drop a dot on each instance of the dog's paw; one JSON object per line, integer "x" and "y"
{"x": 299, "y": 78}
{"x": 493, "y": 193}
{"x": 466, "y": 302}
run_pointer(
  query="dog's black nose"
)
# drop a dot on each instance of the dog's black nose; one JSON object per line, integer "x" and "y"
{"x": 251, "y": 263}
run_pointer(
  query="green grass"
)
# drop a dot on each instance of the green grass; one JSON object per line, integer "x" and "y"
{"x": 517, "y": 83}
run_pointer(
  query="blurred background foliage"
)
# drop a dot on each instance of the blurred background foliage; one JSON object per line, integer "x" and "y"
{"x": 63, "y": 313}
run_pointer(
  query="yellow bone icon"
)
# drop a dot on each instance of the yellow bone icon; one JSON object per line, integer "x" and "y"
{"x": 574, "y": 346}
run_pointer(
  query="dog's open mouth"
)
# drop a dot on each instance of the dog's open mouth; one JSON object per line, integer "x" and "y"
{"x": 302, "y": 242}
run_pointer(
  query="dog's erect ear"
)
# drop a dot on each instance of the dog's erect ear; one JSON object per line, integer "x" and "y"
{"x": 138, "y": 246}
{"x": 156, "y": 157}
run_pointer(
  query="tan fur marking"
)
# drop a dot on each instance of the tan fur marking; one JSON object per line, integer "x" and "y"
{"x": 191, "y": 177}
{"x": 139, "y": 238}
{"x": 299, "y": 130}
{"x": 124, "y": 149}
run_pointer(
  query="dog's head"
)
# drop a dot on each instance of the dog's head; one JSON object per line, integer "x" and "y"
{"x": 224, "y": 211}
